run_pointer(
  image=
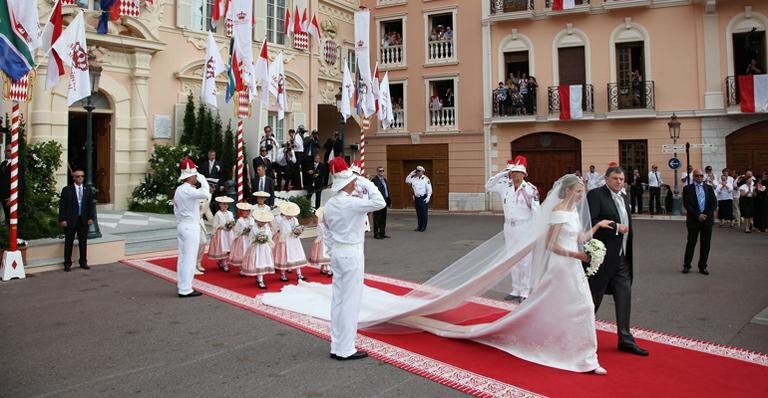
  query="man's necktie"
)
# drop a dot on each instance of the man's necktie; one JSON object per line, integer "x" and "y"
{"x": 700, "y": 196}
{"x": 79, "y": 200}
{"x": 261, "y": 184}
{"x": 658, "y": 181}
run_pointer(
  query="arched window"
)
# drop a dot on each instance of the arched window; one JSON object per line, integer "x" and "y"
{"x": 631, "y": 85}
{"x": 745, "y": 40}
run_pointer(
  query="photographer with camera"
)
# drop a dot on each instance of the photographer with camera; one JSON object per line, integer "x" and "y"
{"x": 286, "y": 164}
{"x": 298, "y": 150}
{"x": 268, "y": 141}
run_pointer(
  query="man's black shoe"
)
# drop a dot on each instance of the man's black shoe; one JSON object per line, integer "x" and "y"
{"x": 633, "y": 349}
{"x": 194, "y": 293}
{"x": 417, "y": 229}
{"x": 686, "y": 270}
{"x": 357, "y": 355}
{"x": 386, "y": 236}
{"x": 85, "y": 266}
{"x": 704, "y": 271}
{"x": 67, "y": 269}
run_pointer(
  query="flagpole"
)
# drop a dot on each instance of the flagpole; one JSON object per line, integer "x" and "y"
{"x": 366, "y": 126}
{"x": 14, "y": 199}
{"x": 240, "y": 123}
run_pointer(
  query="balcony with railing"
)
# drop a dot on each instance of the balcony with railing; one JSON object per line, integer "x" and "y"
{"x": 578, "y": 4}
{"x": 439, "y": 51}
{"x": 732, "y": 91}
{"x": 399, "y": 120}
{"x": 513, "y": 104}
{"x": 632, "y": 95}
{"x": 587, "y": 99}
{"x": 392, "y": 55}
{"x": 443, "y": 118}
{"x": 508, "y": 6}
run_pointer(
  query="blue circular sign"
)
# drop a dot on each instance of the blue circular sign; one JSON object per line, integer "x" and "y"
{"x": 674, "y": 163}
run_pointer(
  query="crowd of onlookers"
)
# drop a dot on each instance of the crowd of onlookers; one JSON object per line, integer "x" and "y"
{"x": 516, "y": 96}
{"x": 439, "y": 33}
{"x": 439, "y": 101}
{"x": 391, "y": 38}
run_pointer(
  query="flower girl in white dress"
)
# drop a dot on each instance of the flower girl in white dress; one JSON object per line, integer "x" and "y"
{"x": 221, "y": 241}
{"x": 289, "y": 254}
{"x": 258, "y": 258}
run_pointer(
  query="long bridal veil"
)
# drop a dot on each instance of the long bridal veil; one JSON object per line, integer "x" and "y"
{"x": 463, "y": 300}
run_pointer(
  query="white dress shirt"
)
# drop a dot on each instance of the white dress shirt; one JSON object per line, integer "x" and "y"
{"x": 186, "y": 201}
{"x": 421, "y": 185}
{"x": 298, "y": 143}
{"x": 623, "y": 217}
{"x": 344, "y": 214}
{"x": 724, "y": 191}
{"x": 654, "y": 179}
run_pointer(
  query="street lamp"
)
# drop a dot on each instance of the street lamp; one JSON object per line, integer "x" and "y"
{"x": 674, "y": 134}
{"x": 342, "y": 119}
{"x": 94, "y": 72}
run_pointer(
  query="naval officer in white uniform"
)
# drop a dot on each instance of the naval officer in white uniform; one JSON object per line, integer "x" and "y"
{"x": 186, "y": 208}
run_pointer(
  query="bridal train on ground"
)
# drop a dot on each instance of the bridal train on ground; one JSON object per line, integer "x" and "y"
{"x": 554, "y": 327}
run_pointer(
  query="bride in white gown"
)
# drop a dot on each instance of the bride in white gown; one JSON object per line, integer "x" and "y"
{"x": 554, "y": 327}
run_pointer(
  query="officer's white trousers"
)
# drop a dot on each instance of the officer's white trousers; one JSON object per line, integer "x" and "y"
{"x": 348, "y": 264}
{"x": 520, "y": 273}
{"x": 188, "y": 235}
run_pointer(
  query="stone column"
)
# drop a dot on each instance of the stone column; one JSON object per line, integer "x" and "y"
{"x": 713, "y": 96}
{"x": 139, "y": 137}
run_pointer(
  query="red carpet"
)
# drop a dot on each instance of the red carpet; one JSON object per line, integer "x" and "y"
{"x": 676, "y": 367}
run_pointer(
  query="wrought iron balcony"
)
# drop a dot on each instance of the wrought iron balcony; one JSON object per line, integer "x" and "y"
{"x": 587, "y": 99}
{"x": 514, "y": 104}
{"x": 502, "y": 6}
{"x": 732, "y": 91}
{"x": 632, "y": 95}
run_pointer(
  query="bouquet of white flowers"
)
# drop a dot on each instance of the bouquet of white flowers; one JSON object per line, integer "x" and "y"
{"x": 261, "y": 238}
{"x": 229, "y": 225}
{"x": 246, "y": 231}
{"x": 298, "y": 230}
{"x": 596, "y": 251}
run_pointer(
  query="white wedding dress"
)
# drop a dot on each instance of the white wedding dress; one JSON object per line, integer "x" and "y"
{"x": 554, "y": 327}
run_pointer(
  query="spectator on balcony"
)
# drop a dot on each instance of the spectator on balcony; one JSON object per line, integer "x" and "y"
{"x": 396, "y": 39}
{"x": 530, "y": 100}
{"x": 440, "y": 32}
{"x": 385, "y": 41}
{"x": 753, "y": 68}
{"x": 637, "y": 83}
{"x": 398, "y": 104}
{"x": 448, "y": 34}
{"x": 500, "y": 96}
{"x": 433, "y": 35}
{"x": 448, "y": 98}
{"x": 516, "y": 100}
{"x": 524, "y": 91}
{"x": 435, "y": 103}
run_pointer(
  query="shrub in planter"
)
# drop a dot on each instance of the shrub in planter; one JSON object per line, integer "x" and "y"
{"x": 153, "y": 195}
{"x": 304, "y": 205}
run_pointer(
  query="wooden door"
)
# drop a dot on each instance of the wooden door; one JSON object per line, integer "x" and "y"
{"x": 746, "y": 148}
{"x": 550, "y": 156}
{"x": 402, "y": 159}
{"x": 102, "y": 157}
{"x": 571, "y": 65}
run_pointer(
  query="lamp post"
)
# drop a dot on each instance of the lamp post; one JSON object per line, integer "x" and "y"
{"x": 674, "y": 134}
{"x": 94, "y": 72}
{"x": 342, "y": 120}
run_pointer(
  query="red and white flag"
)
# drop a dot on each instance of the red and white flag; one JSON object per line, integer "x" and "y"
{"x": 386, "y": 114}
{"x": 24, "y": 22}
{"x": 51, "y": 33}
{"x": 73, "y": 50}
{"x": 375, "y": 86}
{"x": 214, "y": 66}
{"x": 262, "y": 74}
{"x": 362, "y": 43}
{"x": 220, "y": 8}
{"x": 570, "y": 101}
{"x": 305, "y": 21}
{"x": 277, "y": 84}
{"x": 347, "y": 92}
{"x": 753, "y": 93}
{"x": 288, "y": 30}
{"x": 296, "y": 22}
{"x": 314, "y": 29}
{"x": 563, "y": 4}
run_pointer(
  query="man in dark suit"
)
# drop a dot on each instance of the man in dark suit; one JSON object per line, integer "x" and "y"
{"x": 700, "y": 203}
{"x": 5, "y": 184}
{"x": 317, "y": 173}
{"x": 264, "y": 160}
{"x": 76, "y": 212}
{"x": 333, "y": 147}
{"x": 214, "y": 172}
{"x": 615, "y": 275}
{"x": 265, "y": 183}
{"x": 380, "y": 216}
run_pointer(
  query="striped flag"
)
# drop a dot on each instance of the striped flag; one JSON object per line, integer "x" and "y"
{"x": 563, "y": 4}
{"x": 753, "y": 93}
{"x": 51, "y": 33}
{"x": 570, "y": 101}
{"x": 15, "y": 56}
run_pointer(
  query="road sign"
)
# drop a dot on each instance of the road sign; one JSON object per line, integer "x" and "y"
{"x": 674, "y": 163}
{"x": 707, "y": 146}
{"x": 672, "y": 148}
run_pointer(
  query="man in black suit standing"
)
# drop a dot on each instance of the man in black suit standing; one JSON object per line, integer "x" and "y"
{"x": 380, "y": 216}
{"x": 317, "y": 173}
{"x": 76, "y": 212}
{"x": 700, "y": 203}
{"x": 615, "y": 275}
{"x": 212, "y": 168}
{"x": 264, "y": 160}
{"x": 5, "y": 184}
{"x": 263, "y": 182}
{"x": 333, "y": 147}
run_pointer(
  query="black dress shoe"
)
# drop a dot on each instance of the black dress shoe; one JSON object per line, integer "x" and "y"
{"x": 85, "y": 266}
{"x": 67, "y": 269}
{"x": 357, "y": 355}
{"x": 686, "y": 270}
{"x": 633, "y": 349}
{"x": 704, "y": 271}
{"x": 194, "y": 293}
{"x": 386, "y": 236}
{"x": 417, "y": 229}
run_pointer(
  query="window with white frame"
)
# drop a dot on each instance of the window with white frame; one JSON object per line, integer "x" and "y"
{"x": 89, "y": 4}
{"x": 441, "y": 37}
{"x": 441, "y": 104}
{"x": 351, "y": 61}
{"x": 391, "y": 43}
{"x": 278, "y": 127}
{"x": 276, "y": 21}
{"x": 195, "y": 14}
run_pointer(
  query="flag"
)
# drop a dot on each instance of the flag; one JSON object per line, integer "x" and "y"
{"x": 214, "y": 65}
{"x": 25, "y": 22}
{"x": 386, "y": 114}
{"x": 262, "y": 74}
{"x": 15, "y": 57}
{"x": 73, "y": 50}
{"x": 362, "y": 42}
{"x": 288, "y": 22}
{"x": 347, "y": 92}
{"x": 242, "y": 39}
{"x": 110, "y": 10}
{"x": 305, "y": 21}
{"x": 51, "y": 33}
{"x": 753, "y": 93}
{"x": 234, "y": 77}
{"x": 277, "y": 84}
{"x": 570, "y": 101}
{"x": 296, "y": 22}
{"x": 375, "y": 87}
{"x": 563, "y": 4}
{"x": 219, "y": 10}
{"x": 314, "y": 29}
